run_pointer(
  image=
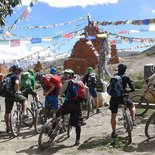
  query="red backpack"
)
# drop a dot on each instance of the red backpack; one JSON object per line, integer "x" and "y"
{"x": 81, "y": 89}
{"x": 48, "y": 79}
{"x": 75, "y": 90}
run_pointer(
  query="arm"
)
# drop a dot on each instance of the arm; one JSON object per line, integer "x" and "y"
{"x": 49, "y": 90}
{"x": 63, "y": 88}
{"x": 16, "y": 87}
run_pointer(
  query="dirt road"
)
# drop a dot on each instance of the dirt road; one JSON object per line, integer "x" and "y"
{"x": 95, "y": 139}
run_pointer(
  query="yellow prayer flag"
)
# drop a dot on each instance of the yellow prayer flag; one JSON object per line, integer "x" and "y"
{"x": 104, "y": 35}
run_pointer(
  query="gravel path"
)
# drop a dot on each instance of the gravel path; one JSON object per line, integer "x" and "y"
{"x": 95, "y": 139}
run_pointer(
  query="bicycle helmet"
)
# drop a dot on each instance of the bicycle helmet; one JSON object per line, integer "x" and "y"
{"x": 122, "y": 68}
{"x": 16, "y": 67}
{"x": 53, "y": 70}
{"x": 89, "y": 70}
{"x": 69, "y": 73}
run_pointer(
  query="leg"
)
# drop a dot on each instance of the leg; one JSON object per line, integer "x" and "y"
{"x": 113, "y": 122}
{"x": 93, "y": 92}
{"x": 132, "y": 109}
{"x": 8, "y": 107}
{"x": 114, "y": 102}
{"x": 6, "y": 119}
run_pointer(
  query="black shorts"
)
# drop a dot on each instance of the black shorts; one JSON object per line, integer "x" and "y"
{"x": 74, "y": 109}
{"x": 115, "y": 101}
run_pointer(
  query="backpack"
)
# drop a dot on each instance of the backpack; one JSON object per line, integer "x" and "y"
{"x": 5, "y": 86}
{"x": 91, "y": 81}
{"x": 25, "y": 80}
{"x": 48, "y": 79}
{"x": 114, "y": 88}
{"x": 75, "y": 90}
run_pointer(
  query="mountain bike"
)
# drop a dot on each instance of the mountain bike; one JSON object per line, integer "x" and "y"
{"x": 53, "y": 127}
{"x": 140, "y": 101}
{"x": 16, "y": 119}
{"x": 127, "y": 121}
{"x": 150, "y": 126}
{"x": 43, "y": 114}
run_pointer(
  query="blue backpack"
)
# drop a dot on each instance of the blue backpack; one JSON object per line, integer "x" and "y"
{"x": 114, "y": 88}
{"x": 72, "y": 91}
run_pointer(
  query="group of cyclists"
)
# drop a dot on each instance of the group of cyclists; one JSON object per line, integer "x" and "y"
{"x": 55, "y": 86}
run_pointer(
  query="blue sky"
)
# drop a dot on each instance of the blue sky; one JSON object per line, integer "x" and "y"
{"x": 49, "y": 12}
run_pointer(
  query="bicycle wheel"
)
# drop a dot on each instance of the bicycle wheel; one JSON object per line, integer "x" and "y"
{"x": 40, "y": 120}
{"x": 35, "y": 105}
{"x": 150, "y": 126}
{"x": 141, "y": 104}
{"x": 128, "y": 126}
{"x": 48, "y": 134}
{"x": 14, "y": 123}
{"x": 29, "y": 121}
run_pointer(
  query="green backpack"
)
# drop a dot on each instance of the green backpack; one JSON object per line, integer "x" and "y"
{"x": 25, "y": 80}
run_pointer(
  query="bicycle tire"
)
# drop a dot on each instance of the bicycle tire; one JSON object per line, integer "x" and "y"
{"x": 49, "y": 132}
{"x": 150, "y": 127}
{"x": 35, "y": 106}
{"x": 141, "y": 104}
{"x": 14, "y": 123}
{"x": 40, "y": 120}
{"x": 30, "y": 120}
{"x": 128, "y": 126}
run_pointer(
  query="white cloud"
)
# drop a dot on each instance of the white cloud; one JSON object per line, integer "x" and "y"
{"x": 72, "y": 3}
{"x": 9, "y": 53}
{"x": 153, "y": 11}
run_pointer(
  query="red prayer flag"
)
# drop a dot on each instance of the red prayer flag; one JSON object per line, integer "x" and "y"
{"x": 14, "y": 42}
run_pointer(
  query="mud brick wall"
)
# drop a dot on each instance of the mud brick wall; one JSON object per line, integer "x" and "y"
{"x": 83, "y": 55}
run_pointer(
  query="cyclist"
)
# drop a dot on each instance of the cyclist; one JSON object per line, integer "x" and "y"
{"x": 27, "y": 84}
{"x": 90, "y": 80}
{"x": 71, "y": 105}
{"x": 115, "y": 101}
{"x": 14, "y": 95}
{"x": 51, "y": 85}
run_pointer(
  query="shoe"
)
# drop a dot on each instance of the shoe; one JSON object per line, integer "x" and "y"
{"x": 98, "y": 111}
{"x": 83, "y": 123}
{"x": 113, "y": 135}
{"x": 77, "y": 142}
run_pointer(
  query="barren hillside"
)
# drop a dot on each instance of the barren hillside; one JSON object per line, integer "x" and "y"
{"x": 135, "y": 62}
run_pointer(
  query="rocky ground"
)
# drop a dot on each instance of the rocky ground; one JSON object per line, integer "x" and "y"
{"x": 95, "y": 139}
